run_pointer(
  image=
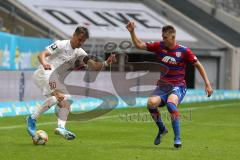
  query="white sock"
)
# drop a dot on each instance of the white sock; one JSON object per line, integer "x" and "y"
{"x": 62, "y": 117}
{"x": 46, "y": 106}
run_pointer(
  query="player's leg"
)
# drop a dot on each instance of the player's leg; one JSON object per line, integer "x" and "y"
{"x": 63, "y": 111}
{"x": 152, "y": 104}
{"x": 41, "y": 81}
{"x": 43, "y": 84}
{"x": 31, "y": 120}
{"x": 175, "y": 118}
{"x": 173, "y": 100}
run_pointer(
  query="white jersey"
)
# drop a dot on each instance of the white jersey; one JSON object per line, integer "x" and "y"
{"x": 63, "y": 53}
{"x": 62, "y": 58}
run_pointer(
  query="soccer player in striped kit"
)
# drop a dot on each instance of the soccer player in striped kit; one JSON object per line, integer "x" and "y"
{"x": 175, "y": 57}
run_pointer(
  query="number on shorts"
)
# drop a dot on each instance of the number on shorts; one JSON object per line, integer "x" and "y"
{"x": 52, "y": 85}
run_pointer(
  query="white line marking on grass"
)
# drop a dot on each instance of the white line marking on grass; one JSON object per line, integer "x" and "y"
{"x": 216, "y": 124}
{"x": 23, "y": 126}
{"x": 117, "y": 116}
{"x": 181, "y": 109}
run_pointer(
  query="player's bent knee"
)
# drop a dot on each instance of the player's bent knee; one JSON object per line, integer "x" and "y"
{"x": 173, "y": 110}
{"x": 64, "y": 104}
{"x": 59, "y": 96}
{"x": 67, "y": 97}
{"x": 153, "y": 101}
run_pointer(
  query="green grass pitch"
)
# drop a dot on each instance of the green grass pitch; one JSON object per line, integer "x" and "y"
{"x": 209, "y": 130}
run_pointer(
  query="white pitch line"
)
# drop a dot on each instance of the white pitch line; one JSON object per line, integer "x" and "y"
{"x": 216, "y": 125}
{"x": 116, "y": 116}
{"x": 23, "y": 126}
{"x": 181, "y": 109}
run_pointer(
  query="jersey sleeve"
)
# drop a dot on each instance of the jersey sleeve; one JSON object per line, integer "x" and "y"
{"x": 81, "y": 54}
{"x": 190, "y": 57}
{"x": 153, "y": 46}
{"x": 55, "y": 47}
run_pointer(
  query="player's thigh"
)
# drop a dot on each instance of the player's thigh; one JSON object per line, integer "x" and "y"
{"x": 177, "y": 95}
{"x": 64, "y": 104}
{"x": 58, "y": 94}
{"x": 41, "y": 80}
{"x": 154, "y": 101}
{"x": 43, "y": 85}
{"x": 173, "y": 98}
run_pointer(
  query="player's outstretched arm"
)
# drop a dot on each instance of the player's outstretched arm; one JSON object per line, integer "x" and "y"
{"x": 136, "y": 41}
{"x": 99, "y": 65}
{"x": 41, "y": 58}
{"x": 200, "y": 68}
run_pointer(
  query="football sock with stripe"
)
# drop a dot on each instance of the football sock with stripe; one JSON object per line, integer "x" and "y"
{"x": 156, "y": 117}
{"x": 175, "y": 118}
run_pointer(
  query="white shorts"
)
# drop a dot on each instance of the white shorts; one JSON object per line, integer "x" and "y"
{"x": 46, "y": 84}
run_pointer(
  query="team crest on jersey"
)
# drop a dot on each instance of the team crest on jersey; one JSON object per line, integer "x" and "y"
{"x": 178, "y": 54}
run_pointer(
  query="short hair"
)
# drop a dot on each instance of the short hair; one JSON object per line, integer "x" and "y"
{"x": 82, "y": 30}
{"x": 168, "y": 29}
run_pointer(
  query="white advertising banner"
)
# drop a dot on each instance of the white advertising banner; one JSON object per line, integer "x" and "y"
{"x": 103, "y": 19}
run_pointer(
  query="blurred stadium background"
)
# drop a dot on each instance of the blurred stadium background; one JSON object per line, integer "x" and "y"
{"x": 211, "y": 28}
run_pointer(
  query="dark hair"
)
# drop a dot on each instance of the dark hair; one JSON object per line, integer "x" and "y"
{"x": 168, "y": 29}
{"x": 82, "y": 30}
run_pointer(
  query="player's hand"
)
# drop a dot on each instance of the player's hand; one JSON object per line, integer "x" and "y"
{"x": 130, "y": 26}
{"x": 208, "y": 90}
{"x": 47, "y": 66}
{"x": 111, "y": 59}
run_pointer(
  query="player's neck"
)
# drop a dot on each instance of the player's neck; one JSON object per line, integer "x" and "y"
{"x": 172, "y": 46}
{"x": 71, "y": 43}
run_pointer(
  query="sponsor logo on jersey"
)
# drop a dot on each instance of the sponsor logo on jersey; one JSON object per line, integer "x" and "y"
{"x": 170, "y": 60}
{"x": 53, "y": 47}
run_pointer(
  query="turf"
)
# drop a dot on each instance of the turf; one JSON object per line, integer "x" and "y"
{"x": 209, "y": 131}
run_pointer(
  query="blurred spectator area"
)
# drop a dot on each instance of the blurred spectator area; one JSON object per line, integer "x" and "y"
{"x": 15, "y": 21}
{"x": 230, "y": 6}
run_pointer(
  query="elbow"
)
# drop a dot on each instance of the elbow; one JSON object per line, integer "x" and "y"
{"x": 140, "y": 46}
{"x": 197, "y": 64}
{"x": 39, "y": 56}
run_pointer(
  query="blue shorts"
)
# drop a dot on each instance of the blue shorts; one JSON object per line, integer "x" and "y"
{"x": 180, "y": 91}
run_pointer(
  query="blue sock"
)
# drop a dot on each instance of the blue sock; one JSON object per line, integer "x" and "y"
{"x": 157, "y": 118}
{"x": 172, "y": 108}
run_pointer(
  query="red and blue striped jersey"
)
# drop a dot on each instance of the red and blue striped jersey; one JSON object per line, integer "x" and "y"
{"x": 174, "y": 59}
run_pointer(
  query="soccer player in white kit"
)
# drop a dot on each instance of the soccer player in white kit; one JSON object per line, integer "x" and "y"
{"x": 62, "y": 52}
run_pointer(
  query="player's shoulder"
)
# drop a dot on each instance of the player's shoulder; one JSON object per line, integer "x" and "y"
{"x": 56, "y": 46}
{"x": 62, "y": 43}
{"x": 183, "y": 48}
{"x": 80, "y": 51}
{"x": 155, "y": 42}
{"x": 153, "y": 45}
